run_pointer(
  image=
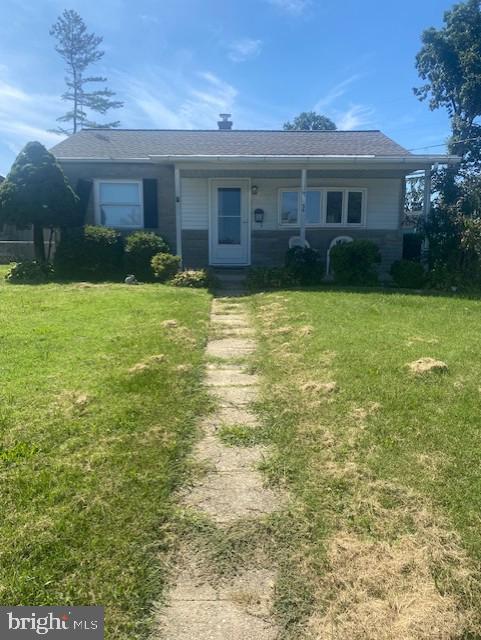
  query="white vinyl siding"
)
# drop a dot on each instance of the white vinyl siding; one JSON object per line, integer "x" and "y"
{"x": 382, "y": 203}
{"x": 194, "y": 198}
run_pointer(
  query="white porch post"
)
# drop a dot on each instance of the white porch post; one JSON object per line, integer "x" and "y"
{"x": 178, "y": 214}
{"x": 427, "y": 193}
{"x": 302, "y": 219}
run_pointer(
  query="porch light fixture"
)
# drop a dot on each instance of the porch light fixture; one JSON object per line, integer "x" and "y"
{"x": 254, "y": 189}
{"x": 259, "y": 216}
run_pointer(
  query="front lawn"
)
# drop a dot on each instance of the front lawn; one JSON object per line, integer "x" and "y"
{"x": 383, "y": 466}
{"x": 90, "y": 452}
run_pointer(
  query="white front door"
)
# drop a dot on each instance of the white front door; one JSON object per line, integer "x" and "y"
{"x": 229, "y": 222}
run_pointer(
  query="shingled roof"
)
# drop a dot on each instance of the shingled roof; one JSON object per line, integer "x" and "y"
{"x": 119, "y": 144}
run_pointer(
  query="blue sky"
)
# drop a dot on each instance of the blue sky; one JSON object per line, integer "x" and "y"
{"x": 178, "y": 63}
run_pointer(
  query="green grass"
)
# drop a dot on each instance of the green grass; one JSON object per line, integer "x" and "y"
{"x": 90, "y": 454}
{"x": 386, "y": 438}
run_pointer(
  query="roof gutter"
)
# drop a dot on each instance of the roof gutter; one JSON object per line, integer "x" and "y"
{"x": 306, "y": 160}
{"x": 103, "y": 160}
{"x": 413, "y": 160}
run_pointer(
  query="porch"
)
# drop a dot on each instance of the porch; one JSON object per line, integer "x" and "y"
{"x": 250, "y": 216}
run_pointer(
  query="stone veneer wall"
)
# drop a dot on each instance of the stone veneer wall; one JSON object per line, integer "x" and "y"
{"x": 269, "y": 247}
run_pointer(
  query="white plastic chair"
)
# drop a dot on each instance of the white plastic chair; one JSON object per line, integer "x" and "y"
{"x": 336, "y": 241}
{"x": 295, "y": 241}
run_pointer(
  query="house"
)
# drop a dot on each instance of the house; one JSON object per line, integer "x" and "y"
{"x": 230, "y": 197}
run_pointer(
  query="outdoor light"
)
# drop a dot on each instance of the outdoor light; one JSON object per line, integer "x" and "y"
{"x": 254, "y": 189}
{"x": 259, "y": 216}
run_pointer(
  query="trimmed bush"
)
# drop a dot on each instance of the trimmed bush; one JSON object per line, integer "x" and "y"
{"x": 408, "y": 274}
{"x": 260, "y": 278}
{"x": 165, "y": 266}
{"x": 90, "y": 253}
{"x": 305, "y": 265}
{"x": 200, "y": 279}
{"x": 353, "y": 263}
{"x": 140, "y": 248}
{"x": 29, "y": 272}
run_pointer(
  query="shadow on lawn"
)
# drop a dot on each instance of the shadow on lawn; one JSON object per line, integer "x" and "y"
{"x": 386, "y": 290}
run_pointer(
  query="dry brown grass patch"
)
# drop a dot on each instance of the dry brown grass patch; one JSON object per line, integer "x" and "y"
{"x": 432, "y": 462}
{"x": 147, "y": 364}
{"x": 341, "y": 470}
{"x": 306, "y": 330}
{"x": 282, "y": 330}
{"x": 360, "y": 414}
{"x": 322, "y": 388}
{"x": 169, "y": 324}
{"x": 412, "y": 340}
{"x": 382, "y": 591}
{"x": 427, "y": 365}
{"x": 73, "y": 401}
{"x": 183, "y": 368}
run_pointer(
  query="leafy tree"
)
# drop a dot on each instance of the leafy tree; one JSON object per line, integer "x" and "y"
{"x": 414, "y": 196}
{"x": 450, "y": 63}
{"x": 310, "y": 121}
{"x": 454, "y": 247}
{"x": 36, "y": 192}
{"x": 80, "y": 50}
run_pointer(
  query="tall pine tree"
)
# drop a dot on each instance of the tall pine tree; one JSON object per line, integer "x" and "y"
{"x": 80, "y": 49}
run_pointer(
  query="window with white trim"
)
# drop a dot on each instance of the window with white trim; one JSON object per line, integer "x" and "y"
{"x": 354, "y": 207}
{"x": 327, "y": 206}
{"x": 119, "y": 203}
{"x": 334, "y": 206}
{"x": 289, "y": 205}
{"x": 313, "y": 207}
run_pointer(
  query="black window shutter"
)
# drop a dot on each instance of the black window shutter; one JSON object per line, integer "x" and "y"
{"x": 84, "y": 190}
{"x": 151, "y": 216}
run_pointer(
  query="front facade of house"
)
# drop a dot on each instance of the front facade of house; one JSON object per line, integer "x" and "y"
{"x": 237, "y": 198}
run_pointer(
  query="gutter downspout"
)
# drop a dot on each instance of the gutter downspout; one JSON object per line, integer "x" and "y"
{"x": 302, "y": 220}
{"x": 178, "y": 215}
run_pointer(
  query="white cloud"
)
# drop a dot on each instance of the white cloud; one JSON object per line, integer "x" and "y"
{"x": 293, "y": 7}
{"x": 244, "y": 49}
{"x": 357, "y": 115}
{"x": 351, "y": 117}
{"x": 336, "y": 92}
{"x": 175, "y": 99}
{"x": 25, "y": 117}
{"x": 149, "y": 18}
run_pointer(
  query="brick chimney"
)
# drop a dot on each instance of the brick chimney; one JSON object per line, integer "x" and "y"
{"x": 224, "y": 123}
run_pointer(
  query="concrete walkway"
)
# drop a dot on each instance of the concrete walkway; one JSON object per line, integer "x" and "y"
{"x": 238, "y": 608}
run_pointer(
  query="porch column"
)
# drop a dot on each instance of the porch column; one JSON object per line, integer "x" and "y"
{"x": 302, "y": 216}
{"x": 178, "y": 215}
{"x": 427, "y": 194}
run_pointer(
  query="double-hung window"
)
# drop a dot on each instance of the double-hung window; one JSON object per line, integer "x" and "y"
{"x": 334, "y": 206}
{"x": 119, "y": 203}
{"x": 290, "y": 206}
{"x": 325, "y": 206}
{"x": 313, "y": 209}
{"x": 345, "y": 207}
